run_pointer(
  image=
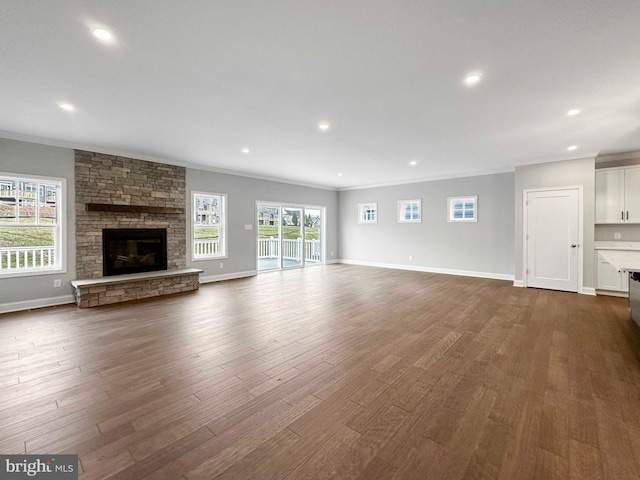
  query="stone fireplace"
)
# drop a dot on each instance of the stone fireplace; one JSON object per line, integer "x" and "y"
{"x": 117, "y": 192}
{"x": 118, "y": 196}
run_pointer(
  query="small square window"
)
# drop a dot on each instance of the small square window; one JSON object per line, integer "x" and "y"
{"x": 463, "y": 209}
{"x": 409, "y": 211}
{"x": 368, "y": 212}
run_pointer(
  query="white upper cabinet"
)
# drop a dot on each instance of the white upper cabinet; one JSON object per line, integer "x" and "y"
{"x": 618, "y": 195}
{"x": 632, "y": 194}
{"x": 609, "y": 196}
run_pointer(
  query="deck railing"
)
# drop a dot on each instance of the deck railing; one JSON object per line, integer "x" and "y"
{"x": 291, "y": 249}
{"x": 12, "y": 258}
{"x": 203, "y": 248}
{"x": 268, "y": 248}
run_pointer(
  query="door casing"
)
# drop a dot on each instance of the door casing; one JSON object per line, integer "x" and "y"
{"x": 525, "y": 226}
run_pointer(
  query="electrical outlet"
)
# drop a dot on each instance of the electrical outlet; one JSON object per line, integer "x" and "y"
{"x": 57, "y": 283}
{"x": 411, "y": 258}
{"x": 332, "y": 254}
{"x": 616, "y": 235}
{"x": 221, "y": 264}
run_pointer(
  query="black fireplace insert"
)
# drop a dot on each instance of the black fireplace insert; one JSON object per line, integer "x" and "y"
{"x": 133, "y": 250}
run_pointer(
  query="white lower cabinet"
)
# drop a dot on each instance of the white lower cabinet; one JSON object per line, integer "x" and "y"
{"x": 609, "y": 278}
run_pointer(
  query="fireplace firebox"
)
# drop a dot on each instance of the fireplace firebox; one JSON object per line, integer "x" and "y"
{"x": 133, "y": 250}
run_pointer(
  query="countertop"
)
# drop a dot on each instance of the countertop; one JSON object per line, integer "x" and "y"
{"x": 617, "y": 245}
{"x": 623, "y": 260}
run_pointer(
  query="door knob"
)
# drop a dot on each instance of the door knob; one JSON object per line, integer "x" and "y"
{"x": 573, "y": 245}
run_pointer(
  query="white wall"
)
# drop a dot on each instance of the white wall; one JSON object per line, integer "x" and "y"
{"x": 559, "y": 174}
{"x": 484, "y": 247}
{"x": 34, "y": 159}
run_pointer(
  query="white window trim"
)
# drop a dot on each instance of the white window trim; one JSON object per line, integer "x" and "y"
{"x": 366, "y": 205}
{"x": 61, "y": 230}
{"x": 451, "y": 200}
{"x": 401, "y": 206}
{"x": 223, "y": 227}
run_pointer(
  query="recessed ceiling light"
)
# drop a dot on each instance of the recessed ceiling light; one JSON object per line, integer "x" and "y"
{"x": 472, "y": 78}
{"x": 340, "y": 174}
{"x": 246, "y": 150}
{"x": 413, "y": 162}
{"x": 102, "y": 34}
{"x": 67, "y": 107}
{"x": 324, "y": 126}
{"x": 573, "y": 112}
{"x": 572, "y": 148}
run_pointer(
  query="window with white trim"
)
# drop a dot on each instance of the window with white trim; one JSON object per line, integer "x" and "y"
{"x": 368, "y": 212}
{"x": 209, "y": 225}
{"x": 31, "y": 225}
{"x": 463, "y": 209}
{"x": 409, "y": 211}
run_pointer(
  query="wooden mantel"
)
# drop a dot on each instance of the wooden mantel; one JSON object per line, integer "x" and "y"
{"x": 108, "y": 207}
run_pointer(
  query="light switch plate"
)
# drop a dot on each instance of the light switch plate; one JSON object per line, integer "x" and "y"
{"x": 248, "y": 226}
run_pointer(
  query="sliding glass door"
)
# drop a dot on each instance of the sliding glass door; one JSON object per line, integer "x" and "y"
{"x": 289, "y": 236}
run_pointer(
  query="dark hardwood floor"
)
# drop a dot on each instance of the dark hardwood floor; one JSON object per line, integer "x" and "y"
{"x": 330, "y": 372}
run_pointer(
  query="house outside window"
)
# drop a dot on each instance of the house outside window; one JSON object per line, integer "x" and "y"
{"x": 31, "y": 225}
{"x": 209, "y": 226}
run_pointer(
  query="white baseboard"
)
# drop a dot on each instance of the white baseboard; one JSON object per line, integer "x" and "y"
{"x": 585, "y": 290}
{"x": 228, "y": 276}
{"x": 446, "y": 271}
{"x": 37, "y": 303}
{"x": 611, "y": 293}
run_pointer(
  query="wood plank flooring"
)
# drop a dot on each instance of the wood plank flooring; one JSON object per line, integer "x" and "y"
{"x": 330, "y": 372}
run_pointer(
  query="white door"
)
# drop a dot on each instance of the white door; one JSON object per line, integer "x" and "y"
{"x": 552, "y": 239}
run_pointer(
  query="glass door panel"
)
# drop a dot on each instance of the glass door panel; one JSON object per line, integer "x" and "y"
{"x": 292, "y": 234}
{"x": 312, "y": 236}
{"x": 268, "y": 237}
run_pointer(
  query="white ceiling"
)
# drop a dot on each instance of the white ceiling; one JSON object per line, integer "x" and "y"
{"x": 193, "y": 82}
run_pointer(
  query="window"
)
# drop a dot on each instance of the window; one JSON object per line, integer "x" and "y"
{"x": 31, "y": 225}
{"x": 409, "y": 211}
{"x": 209, "y": 222}
{"x": 463, "y": 209}
{"x": 368, "y": 212}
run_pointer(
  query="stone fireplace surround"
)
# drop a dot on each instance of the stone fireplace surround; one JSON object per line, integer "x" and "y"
{"x": 121, "y": 192}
